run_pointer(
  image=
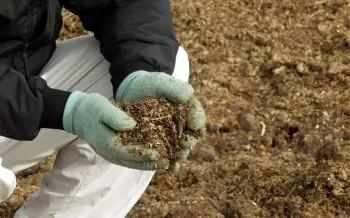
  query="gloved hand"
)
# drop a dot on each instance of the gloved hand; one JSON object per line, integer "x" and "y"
{"x": 7, "y": 182}
{"x": 142, "y": 84}
{"x": 93, "y": 118}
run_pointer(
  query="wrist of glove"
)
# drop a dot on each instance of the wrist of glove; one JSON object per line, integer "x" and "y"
{"x": 93, "y": 118}
{"x": 142, "y": 84}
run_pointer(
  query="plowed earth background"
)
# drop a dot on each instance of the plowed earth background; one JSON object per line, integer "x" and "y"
{"x": 274, "y": 77}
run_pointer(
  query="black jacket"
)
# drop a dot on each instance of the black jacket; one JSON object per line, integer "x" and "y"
{"x": 134, "y": 35}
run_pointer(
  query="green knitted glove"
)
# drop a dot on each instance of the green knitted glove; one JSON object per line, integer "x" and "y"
{"x": 142, "y": 84}
{"x": 93, "y": 118}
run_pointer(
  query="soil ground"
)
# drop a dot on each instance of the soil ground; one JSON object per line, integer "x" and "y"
{"x": 274, "y": 77}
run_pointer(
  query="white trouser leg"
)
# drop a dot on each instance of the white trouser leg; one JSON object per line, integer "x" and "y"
{"x": 81, "y": 184}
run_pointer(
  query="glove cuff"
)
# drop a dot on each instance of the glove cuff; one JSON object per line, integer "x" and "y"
{"x": 69, "y": 109}
{"x": 126, "y": 82}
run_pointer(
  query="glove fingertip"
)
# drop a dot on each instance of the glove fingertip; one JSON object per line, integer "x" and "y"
{"x": 189, "y": 142}
{"x": 174, "y": 90}
{"x": 154, "y": 155}
{"x": 196, "y": 115}
{"x": 186, "y": 93}
{"x": 196, "y": 123}
{"x": 175, "y": 167}
{"x": 118, "y": 119}
{"x": 163, "y": 164}
{"x": 125, "y": 124}
{"x": 143, "y": 153}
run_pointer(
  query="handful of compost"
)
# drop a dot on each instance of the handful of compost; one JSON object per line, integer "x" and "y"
{"x": 161, "y": 126}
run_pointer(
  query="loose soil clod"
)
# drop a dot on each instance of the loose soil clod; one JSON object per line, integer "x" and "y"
{"x": 160, "y": 126}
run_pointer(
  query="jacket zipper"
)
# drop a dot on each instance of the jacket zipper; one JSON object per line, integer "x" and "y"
{"x": 46, "y": 34}
{"x": 26, "y": 44}
{"x": 51, "y": 16}
{"x": 25, "y": 56}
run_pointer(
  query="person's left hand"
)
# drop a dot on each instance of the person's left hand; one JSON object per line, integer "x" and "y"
{"x": 142, "y": 84}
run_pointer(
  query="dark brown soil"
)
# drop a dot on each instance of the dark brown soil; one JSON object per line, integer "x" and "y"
{"x": 160, "y": 126}
{"x": 274, "y": 79}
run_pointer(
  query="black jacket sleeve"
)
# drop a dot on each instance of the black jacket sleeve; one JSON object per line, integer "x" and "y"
{"x": 134, "y": 34}
{"x": 25, "y": 106}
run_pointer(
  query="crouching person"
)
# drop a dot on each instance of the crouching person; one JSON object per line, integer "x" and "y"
{"x": 59, "y": 98}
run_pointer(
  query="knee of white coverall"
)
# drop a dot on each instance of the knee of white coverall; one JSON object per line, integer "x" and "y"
{"x": 182, "y": 65}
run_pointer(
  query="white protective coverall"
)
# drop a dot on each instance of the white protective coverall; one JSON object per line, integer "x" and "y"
{"x": 81, "y": 183}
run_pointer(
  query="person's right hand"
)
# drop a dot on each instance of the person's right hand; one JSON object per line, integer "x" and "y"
{"x": 142, "y": 84}
{"x": 93, "y": 118}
